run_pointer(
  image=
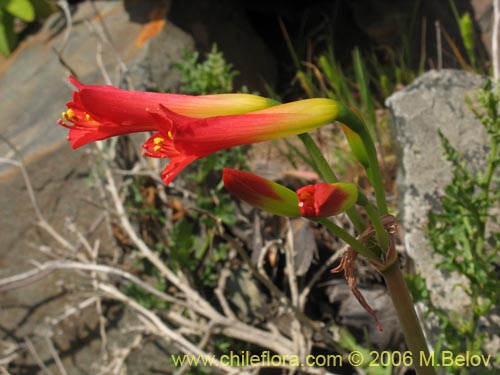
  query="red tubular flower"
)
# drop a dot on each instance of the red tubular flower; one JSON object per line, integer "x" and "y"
{"x": 261, "y": 193}
{"x": 323, "y": 200}
{"x": 184, "y": 139}
{"x": 312, "y": 201}
{"x": 99, "y": 112}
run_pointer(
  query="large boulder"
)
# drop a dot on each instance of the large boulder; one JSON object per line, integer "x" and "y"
{"x": 435, "y": 101}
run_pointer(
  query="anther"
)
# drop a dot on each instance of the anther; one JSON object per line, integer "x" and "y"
{"x": 170, "y": 135}
{"x": 88, "y": 117}
{"x": 158, "y": 140}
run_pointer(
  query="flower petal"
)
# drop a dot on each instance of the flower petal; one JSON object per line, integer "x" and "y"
{"x": 175, "y": 166}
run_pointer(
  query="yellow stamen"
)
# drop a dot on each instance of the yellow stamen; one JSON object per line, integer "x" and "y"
{"x": 158, "y": 140}
{"x": 170, "y": 135}
{"x": 69, "y": 115}
{"x": 88, "y": 117}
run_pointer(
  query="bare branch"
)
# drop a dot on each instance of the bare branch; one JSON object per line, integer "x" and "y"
{"x": 164, "y": 331}
{"x": 42, "y": 222}
{"x": 53, "y": 353}
{"x": 42, "y": 270}
{"x": 37, "y": 358}
{"x": 219, "y": 292}
{"x": 314, "y": 279}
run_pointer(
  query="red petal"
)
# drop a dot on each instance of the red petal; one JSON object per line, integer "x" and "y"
{"x": 175, "y": 166}
{"x": 321, "y": 200}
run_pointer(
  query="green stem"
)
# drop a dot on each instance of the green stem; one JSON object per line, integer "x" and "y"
{"x": 350, "y": 119}
{"x": 322, "y": 165}
{"x": 408, "y": 319}
{"x": 346, "y": 237}
{"x": 492, "y": 157}
{"x": 492, "y": 163}
{"x": 327, "y": 174}
{"x": 382, "y": 236}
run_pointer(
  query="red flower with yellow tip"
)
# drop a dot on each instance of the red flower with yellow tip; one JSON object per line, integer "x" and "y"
{"x": 312, "y": 201}
{"x": 98, "y": 112}
{"x": 184, "y": 139}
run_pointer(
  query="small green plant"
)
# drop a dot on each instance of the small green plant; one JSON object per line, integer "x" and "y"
{"x": 189, "y": 243}
{"x": 462, "y": 234}
{"x": 212, "y": 76}
{"x": 466, "y": 28}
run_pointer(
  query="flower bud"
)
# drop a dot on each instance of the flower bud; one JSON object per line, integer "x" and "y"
{"x": 323, "y": 200}
{"x": 261, "y": 193}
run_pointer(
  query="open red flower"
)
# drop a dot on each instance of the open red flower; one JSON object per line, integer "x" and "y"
{"x": 184, "y": 139}
{"x": 98, "y": 112}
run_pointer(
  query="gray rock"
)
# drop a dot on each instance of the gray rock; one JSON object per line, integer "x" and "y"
{"x": 156, "y": 71}
{"x": 434, "y": 101}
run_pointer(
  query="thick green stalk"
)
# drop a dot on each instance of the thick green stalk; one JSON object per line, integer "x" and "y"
{"x": 408, "y": 319}
{"x": 350, "y": 119}
{"x": 347, "y": 238}
{"x": 382, "y": 236}
{"x": 329, "y": 176}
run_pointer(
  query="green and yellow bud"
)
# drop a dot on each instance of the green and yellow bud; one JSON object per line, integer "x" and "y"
{"x": 261, "y": 193}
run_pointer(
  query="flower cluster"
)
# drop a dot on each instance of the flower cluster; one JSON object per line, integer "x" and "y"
{"x": 311, "y": 201}
{"x": 186, "y": 128}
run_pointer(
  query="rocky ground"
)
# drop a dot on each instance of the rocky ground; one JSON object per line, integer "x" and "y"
{"x": 135, "y": 40}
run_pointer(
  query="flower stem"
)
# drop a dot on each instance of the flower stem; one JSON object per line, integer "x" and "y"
{"x": 346, "y": 237}
{"x": 382, "y": 237}
{"x": 327, "y": 174}
{"x": 351, "y": 120}
{"x": 408, "y": 319}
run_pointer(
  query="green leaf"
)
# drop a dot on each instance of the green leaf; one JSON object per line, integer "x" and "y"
{"x": 364, "y": 87}
{"x": 8, "y": 38}
{"x": 22, "y": 9}
{"x": 44, "y": 8}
